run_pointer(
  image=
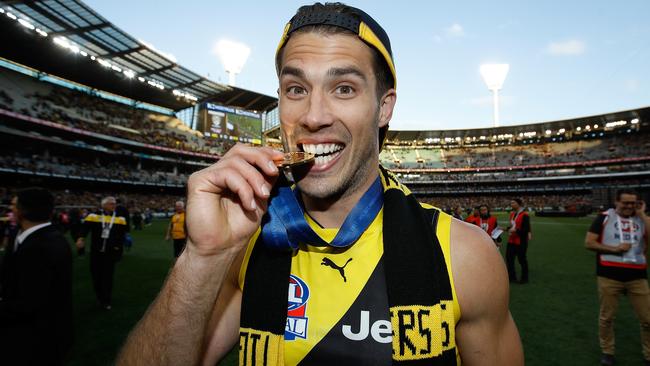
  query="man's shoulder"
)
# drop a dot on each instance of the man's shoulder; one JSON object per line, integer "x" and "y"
{"x": 478, "y": 269}
{"x": 48, "y": 239}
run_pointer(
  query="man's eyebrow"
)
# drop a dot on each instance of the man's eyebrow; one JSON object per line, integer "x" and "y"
{"x": 341, "y": 71}
{"x": 288, "y": 70}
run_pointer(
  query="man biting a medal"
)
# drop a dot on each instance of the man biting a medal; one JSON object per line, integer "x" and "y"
{"x": 328, "y": 258}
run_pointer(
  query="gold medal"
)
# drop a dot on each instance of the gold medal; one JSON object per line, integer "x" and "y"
{"x": 295, "y": 158}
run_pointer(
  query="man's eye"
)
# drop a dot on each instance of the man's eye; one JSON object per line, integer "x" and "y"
{"x": 344, "y": 89}
{"x": 295, "y": 90}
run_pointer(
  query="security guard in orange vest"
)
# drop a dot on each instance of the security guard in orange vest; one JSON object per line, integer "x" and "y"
{"x": 176, "y": 229}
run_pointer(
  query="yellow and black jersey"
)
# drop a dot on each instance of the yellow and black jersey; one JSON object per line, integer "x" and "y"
{"x": 338, "y": 303}
{"x": 94, "y": 223}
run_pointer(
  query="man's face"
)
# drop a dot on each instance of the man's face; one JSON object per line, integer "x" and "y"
{"x": 109, "y": 206}
{"x": 483, "y": 211}
{"x": 514, "y": 205}
{"x": 626, "y": 205}
{"x": 329, "y": 106}
{"x": 179, "y": 207}
{"x": 14, "y": 208}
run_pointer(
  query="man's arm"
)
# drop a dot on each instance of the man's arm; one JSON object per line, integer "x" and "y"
{"x": 225, "y": 205}
{"x": 486, "y": 333}
{"x": 592, "y": 243}
{"x": 81, "y": 239}
{"x": 169, "y": 230}
{"x": 524, "y": 230}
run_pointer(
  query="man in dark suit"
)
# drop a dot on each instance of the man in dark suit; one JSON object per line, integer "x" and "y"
{"x": 107, "y": 229}
{"x": 35, "y": 286}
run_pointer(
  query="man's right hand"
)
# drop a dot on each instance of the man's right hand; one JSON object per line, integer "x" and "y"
{"x": 623, "y": 247}
{"x": 226, "y": 201}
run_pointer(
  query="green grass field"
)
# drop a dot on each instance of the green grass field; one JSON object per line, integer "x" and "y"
{"x": 556, "y": 312}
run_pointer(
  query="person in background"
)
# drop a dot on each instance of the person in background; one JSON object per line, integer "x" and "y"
{"x": 487, "y": 222}
{"x": 107, "y": 231}
{"x": 619, "y": 236}
{"x": 176, "y": 229}
{"x": 457, "y": 213}
{"x": 35, "y": 286}
{"x": 519, "y": 235}
{"x": 473, "y": 218}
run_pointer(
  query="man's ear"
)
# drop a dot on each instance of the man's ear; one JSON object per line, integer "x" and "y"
{"x": 386, "y": 106}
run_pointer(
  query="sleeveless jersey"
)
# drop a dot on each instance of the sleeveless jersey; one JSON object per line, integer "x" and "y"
{"x": 338, "y": 302}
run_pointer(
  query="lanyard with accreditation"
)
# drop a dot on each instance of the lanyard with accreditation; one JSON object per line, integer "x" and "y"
{"x": 106, "y": 230}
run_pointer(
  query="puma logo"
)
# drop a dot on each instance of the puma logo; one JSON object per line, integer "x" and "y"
{"x": 328, "y": 262}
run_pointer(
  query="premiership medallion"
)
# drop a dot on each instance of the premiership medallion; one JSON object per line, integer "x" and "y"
{"x": 295, "y": 158}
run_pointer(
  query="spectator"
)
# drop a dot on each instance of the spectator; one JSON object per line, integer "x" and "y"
{"x": 519, "y": 236}
{"x": 108, "y": 231}
{"x": 36, "y": 286}
{"x": 619, "y": 237}
{"x": 176, "y": 229}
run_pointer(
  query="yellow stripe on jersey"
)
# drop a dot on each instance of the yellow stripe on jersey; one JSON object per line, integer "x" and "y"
{"x": 330, "y": 297}
{"x": 443, "y": 232}
{"x": 119, "y": 220}
{"x": 260, "y": 347}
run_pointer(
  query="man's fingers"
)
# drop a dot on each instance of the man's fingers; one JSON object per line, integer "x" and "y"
{"x": 239, "y": 186}
{"x": 260, "y": 183}
{"x": 262, "y": 157}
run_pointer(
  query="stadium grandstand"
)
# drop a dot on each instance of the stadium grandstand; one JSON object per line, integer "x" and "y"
{"x": 88, "y": 109}
{"x": 557, "y": 166}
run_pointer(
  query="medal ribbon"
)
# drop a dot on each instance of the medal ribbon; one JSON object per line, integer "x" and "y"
{"x": 284, "y": 226}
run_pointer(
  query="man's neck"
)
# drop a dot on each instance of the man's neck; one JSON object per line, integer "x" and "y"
{"x": 332, "y": 214}
{"x": 618, "y": 212}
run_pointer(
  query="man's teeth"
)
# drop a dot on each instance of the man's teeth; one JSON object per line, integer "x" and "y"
{"x": 321, "y": 149}
{"x": 324, "y": 152}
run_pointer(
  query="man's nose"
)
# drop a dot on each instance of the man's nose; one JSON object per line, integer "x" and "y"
{"x": 319, "y": 112}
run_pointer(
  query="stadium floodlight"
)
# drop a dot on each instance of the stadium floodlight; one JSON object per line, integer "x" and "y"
{"x": 494, "y": 75}
{"x": 233, "y": 56}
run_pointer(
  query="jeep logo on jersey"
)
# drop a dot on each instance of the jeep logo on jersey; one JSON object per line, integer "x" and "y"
{"x": 296, "y": 325}
{"x": 380, "y": 330}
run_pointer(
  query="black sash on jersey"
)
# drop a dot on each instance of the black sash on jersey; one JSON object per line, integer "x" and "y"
{"x": 419, "y": 289}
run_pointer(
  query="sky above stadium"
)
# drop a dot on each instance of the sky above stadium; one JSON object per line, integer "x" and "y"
{"x": 567, "y": 58}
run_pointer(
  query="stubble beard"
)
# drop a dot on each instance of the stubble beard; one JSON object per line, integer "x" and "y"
{"x": 346, "y": 183}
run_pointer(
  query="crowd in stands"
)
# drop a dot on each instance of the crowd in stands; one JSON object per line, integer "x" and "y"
{"x": 509, "y": 175}
{"x": 616, "y": 147}
{"x": 70, "y": 166}
{"x": 75, "y": 108}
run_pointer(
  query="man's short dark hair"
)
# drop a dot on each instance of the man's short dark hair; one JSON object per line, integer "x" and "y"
{"x": 623, "y": 191}
{"x": 519, "y": 201}
{"x": 35, "y": 204}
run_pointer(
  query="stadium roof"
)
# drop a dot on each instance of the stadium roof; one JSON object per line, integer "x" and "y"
{"x": 68, "y": 39}
{"x": 640, "y": 116}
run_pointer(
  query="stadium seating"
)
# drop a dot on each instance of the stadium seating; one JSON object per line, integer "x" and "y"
{"x": 24, "y": 95}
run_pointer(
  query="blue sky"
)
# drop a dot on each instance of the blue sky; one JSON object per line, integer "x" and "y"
{"x": 567, "y": 58}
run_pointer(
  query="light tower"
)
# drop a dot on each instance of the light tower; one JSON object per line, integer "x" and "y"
{"x": 494, "y": 75}
{"x": 233, "y": 56}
